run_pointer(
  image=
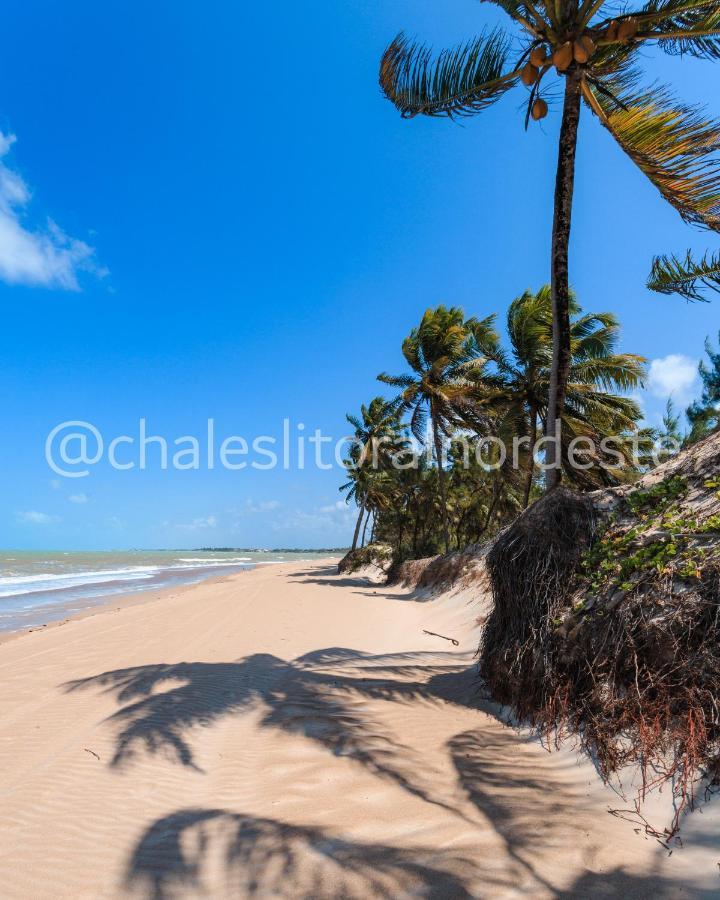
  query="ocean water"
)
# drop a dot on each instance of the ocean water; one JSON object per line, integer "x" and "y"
{"x": 41, "y": 587}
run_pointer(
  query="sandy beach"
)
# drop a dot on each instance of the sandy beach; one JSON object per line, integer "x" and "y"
{"x": 287, "y": 732}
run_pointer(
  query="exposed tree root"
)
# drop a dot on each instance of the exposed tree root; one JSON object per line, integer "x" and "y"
{"x": 608, "y": 628}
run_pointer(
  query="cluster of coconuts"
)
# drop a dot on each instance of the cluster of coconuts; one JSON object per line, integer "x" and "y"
{"x": 579, "y": 50}
{"x": 622, "y": 31}
{"x": 530, "y": 75}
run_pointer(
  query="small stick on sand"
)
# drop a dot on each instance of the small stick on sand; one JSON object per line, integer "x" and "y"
{"x": 435, "y": 634}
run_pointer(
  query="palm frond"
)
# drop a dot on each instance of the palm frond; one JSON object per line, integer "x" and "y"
{"x": 459, "y": 82}
{"x": 675, "y": 145}
{"x": 683, "y": 26}
{"x": 418, "y": 423}
{"x": 402, "y": 381}
{"x": 687, "y": 277}
{"x": 623, "y": 371}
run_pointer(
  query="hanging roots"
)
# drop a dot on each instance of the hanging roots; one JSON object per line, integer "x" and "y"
{"x": 632, "y": 669}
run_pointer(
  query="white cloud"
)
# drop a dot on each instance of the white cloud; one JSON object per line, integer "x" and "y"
{"x": 639, "y": 398}
{"x": 40, "y": 257}
{"x": 198, "y": 524}
{"x": 673, "y": 376}
{"x": 33, "y": 517}
{"x": 337, "y": 515}
{"x": 78, "y": 498}
{"x": 261, "y": 506}
{"x": 340, "y": 506}
{"x": 253, "y": 507}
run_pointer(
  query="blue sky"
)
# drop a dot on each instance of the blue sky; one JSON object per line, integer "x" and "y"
{"x": 211, "y": 212}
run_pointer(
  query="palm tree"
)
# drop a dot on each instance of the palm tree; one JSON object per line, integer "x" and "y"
{"x": 356, "y": 489}
{"x": 447, "y": 355}
{"x": 377, "y": 435}
{"x": 594, "y": 51}
{"x": 597, "y": 379}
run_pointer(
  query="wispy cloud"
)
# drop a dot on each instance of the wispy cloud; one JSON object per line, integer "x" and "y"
{"x": 33, "y": 517}
{"x": 39, "y": 257}
{"x": 673, "y": 376}
{"x": 326, "y": 519}
{"x": 339, "y": 507}
{"x": 198, "y": 524}
{"x": 251, "y": 506}
{"x": 78, "y": 498}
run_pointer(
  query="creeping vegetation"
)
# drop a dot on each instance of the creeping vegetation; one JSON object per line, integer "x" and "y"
{"x": 606, "y": 623}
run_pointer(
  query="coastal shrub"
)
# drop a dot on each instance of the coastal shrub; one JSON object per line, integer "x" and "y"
{"x": 375, "y": 555}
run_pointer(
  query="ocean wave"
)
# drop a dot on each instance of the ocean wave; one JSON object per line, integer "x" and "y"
{"x": 16, "y": 585}
{"x": 214, "y": 559}
{"x": 19, "y": 585}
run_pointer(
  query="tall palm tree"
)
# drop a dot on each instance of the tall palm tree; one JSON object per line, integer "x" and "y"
{"x": 597, "y": 379}
{"x": 594, "y": 50}
{"x": 356, "y": 489}
{"x": 447, "y": 355}
{"x": 377, "y": 435}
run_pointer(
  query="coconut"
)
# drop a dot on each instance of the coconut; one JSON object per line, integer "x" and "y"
{"x": 583, "y": 49}
{"x": 539, "y": 109}
{"x": 627, "y": 29}
{"x": 563, "y": 56}
{"x": 538, "y": 57}
{"x": 529, "y": 74}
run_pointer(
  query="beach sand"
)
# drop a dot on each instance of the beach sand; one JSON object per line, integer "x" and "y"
{"x": 287, "y": 732}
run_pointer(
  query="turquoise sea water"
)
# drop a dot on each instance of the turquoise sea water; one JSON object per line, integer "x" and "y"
{"x": 41, "y": 587}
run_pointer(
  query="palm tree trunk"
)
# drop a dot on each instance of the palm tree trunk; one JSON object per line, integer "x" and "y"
{"x": 497, "y": 490}
{"x": 357, "y": 526}
{"x": 441, "y": 479}
{"x": 365, "y": 528}
{"x": 416, "y": 525}
{"x": 560, "y": 281}
{"x": 372, "y": 530}
{"x": 531, "y": 461}
{"x": 458, "y": 533}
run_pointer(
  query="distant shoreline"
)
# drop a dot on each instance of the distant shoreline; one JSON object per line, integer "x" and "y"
{"x": 41, "y": 587}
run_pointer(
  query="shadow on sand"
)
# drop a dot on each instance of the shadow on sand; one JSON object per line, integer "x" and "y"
{"x": 261, "y": 857}
{"x": 322, "y": 696}
{"x": 364, "y": 586}
{"x": 267, "y": 858}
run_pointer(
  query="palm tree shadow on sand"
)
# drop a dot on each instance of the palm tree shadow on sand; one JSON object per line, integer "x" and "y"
{"x": 260, "y": 857}
{"x": 268, "y": 858}
{"x": 322, "y": 697}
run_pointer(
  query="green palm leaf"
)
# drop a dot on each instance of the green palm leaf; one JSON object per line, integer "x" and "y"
{"x": 618, "y": 372}
{"x": 403, "y": 381}
{"x": 459, "y": 82}
{"x": 682, "y": 27}
{"x": 675, "y": 145}
{"x": 687, "y": 277}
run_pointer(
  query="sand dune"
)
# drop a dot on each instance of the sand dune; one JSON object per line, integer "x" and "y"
{"x": 290, "y": 733}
